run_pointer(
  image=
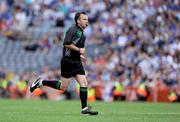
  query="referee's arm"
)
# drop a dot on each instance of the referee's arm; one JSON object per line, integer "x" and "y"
{"x": 68, "y": 41}
{"x": 72, "y": 47}
{"x": 75, "y": 48}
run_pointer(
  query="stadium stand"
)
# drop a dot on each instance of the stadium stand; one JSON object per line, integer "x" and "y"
{"x": 127, "y": 41}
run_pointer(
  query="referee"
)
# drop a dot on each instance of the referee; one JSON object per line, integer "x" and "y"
{"x": 71, "y": 62}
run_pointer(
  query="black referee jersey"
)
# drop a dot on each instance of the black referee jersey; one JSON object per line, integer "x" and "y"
{"x": 75, "y": 36}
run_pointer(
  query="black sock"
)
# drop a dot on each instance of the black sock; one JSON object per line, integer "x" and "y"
{"x": 83, "y": 96}
{"x": 52, "y": 83}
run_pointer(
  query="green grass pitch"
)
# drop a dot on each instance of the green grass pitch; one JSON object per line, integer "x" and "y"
{"x": 69, "y": 111}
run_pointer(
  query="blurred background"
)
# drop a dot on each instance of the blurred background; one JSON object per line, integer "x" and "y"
{"x": 133, "y": 48}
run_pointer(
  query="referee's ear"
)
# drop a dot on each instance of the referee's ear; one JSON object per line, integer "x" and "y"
{"x": 77, "y": 21}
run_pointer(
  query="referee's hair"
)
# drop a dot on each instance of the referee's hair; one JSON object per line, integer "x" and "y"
{"x": 77, "y": 15}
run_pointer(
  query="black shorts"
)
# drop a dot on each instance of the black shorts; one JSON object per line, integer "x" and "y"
{"x": 70, "y": 68}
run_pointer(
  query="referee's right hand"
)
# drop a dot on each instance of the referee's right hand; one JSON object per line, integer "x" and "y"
{"x": 82, "y": 51}
{"x": 83, "y": 58}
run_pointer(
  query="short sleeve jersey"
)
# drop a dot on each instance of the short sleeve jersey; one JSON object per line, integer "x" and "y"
{"x": 74, "y": 35}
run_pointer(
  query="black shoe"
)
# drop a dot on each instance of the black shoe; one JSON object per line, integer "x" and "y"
{"x": 87, "y": 111}
{"x": 36, "y": 84}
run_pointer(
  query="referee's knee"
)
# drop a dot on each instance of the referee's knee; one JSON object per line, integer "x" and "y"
{"x": 83, "y": 83}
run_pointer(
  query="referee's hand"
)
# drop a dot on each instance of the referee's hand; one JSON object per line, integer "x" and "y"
{"x": 83, "y": 58}
{"x": 82, "y": 51}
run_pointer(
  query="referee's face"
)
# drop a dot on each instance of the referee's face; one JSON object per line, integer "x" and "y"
{"x": 83, "y": 21}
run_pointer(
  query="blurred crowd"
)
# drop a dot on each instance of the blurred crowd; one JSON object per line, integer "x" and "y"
{"x": 141, "y": 40}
